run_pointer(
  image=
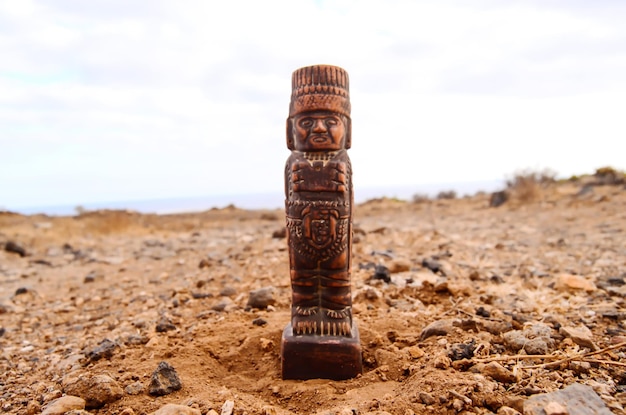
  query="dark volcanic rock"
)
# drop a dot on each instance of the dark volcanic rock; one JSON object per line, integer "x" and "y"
{"x": 105, "y": 350}
{"x": 381, "y": 272}
{"x": 165, "y": 324}
{"x": 261, "y": 298}
{"x": 432, "y": 264}
{"x": 164, "y": 380}
{"x": 13, "y": 247}
{"x": 498, "y": 198}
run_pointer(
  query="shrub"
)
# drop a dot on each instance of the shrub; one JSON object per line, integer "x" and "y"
{"x": 420, "y": 198}
{"x": 609, "y": 176}
{"x": 526, "y": 185}
{"x": 446, "y": 194}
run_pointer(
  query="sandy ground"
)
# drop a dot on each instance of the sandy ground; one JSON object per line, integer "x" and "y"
{"x": 485, "y": 307}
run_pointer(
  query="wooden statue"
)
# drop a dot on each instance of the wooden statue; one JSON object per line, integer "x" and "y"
{"x": 322, "y": 340}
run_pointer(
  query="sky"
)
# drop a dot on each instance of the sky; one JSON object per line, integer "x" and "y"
{"x": 116, "y": 100}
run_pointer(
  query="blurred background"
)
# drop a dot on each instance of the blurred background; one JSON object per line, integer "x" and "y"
{"x": 168, "y": 106}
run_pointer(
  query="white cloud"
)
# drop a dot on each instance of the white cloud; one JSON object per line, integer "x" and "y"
{"x": 158, "y": 99}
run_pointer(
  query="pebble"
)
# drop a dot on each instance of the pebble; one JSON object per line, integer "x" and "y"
{"x": 280, "y": 233}
{"x": 571, "y": 282}
{"x": 498, "y": 198}
{"x": 262, "y": 297}
{"x": 228, "y": 291}
{"x": 535, "y": 339}
{"x": 507, "y": 410}
{"x": 96, "y": 390}
{"x": 576, "y": 399}
{"x": 259, "y": 321}
{"x": 164, "y": 324}
{"x": 15, "y": 248}
{"x": 104, "y": 350}
{"x": 173, "y": 409}
{"x": 64, "y": 404}
{"x": 498, "y": 372}
{"x": 460, "y": 351}
{"x": 581, "y": 335}
{"x": 438, "y": 328}
{"x": 427, "y": 398}
{"x": 228, "y": 407}
{"x": 222, "y": 304}
{"x": 381, "y": 272}
{"x": 432, "y": 264}
{"x": 164, "y": 380}
{"x": 134, "y": 388}
{"x": 399, "y": 265}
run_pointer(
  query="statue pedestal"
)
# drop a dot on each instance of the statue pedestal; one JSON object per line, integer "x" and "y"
{"x": 320, "y": 357}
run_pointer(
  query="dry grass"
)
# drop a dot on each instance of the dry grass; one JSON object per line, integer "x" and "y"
{"x": 609, "y": 176}
{"x": 106, "y": 222}
{"x": 528, "y": 185}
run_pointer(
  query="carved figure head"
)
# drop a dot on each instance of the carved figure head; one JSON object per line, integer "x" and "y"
{"x": 319, "y": 131}
{"x": 319, "y": 112}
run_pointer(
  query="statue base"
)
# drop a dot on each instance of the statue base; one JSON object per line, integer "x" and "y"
{"x": 320, "y": 357}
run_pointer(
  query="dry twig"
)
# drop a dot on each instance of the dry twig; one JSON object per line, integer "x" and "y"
{"x": 560, "y": 359}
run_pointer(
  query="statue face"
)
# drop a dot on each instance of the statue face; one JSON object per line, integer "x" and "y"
{"x": 319, "y": 131}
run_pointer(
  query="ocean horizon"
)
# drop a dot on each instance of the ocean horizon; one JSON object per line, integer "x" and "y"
{"x": 253, "y": 201}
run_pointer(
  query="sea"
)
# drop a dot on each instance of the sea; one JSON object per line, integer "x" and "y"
{"x": 268, "y": 200}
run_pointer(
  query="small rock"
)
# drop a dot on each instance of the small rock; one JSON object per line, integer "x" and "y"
{"x": 266, "y": 344}
{"x": 427, "y": 398}
{"x": 64, "y": 404}
{"x": 399, "y": 265}
{"x": 204, "y": 263}
{"x": 460, "y": 351}
{"x": 14, "y": 248}
{"x": 496, "y": 327}
{"x": 483, "y": 312}
{"x": 416, "y": 352}
{"x": 164, "y": 380}
{"x": 21, "y": 290}
{"x": 269, "y": 410}
{"x": 579, "y": 367}
{"x": 498, "y": 372}
{"x": 134, "y": 388}
{"x": 228, "y": 291}
{"x": 222, "y": 304}
{"x": 173, "y": 409}
{"x": 164, "y": 324}
{"x": 259, "y": 321}
{"x": 32, "y": 408}
{"x": 507, "y": 410}
{"x": 571, "y": 282}
{"x": 103, "y": 351}
{"x": 96, "y": 390}
{"x": 534, "y": 339}
{"x": 576, "y": 399}
{"x": 280, "y": 233}
{"x": 381, "y": 272}
{"x": 433, "y": 265}
{"x": 581, "y": 335}
{"x": 498, "y": 198}
{"x": 438, "y": 328}
{"x": 227, "y": 408}
{"x": 261, "y": 298}
{"x": 91, "y": 277}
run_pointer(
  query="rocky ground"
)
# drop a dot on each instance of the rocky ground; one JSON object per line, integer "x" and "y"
{"x": 462, "y": 308}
